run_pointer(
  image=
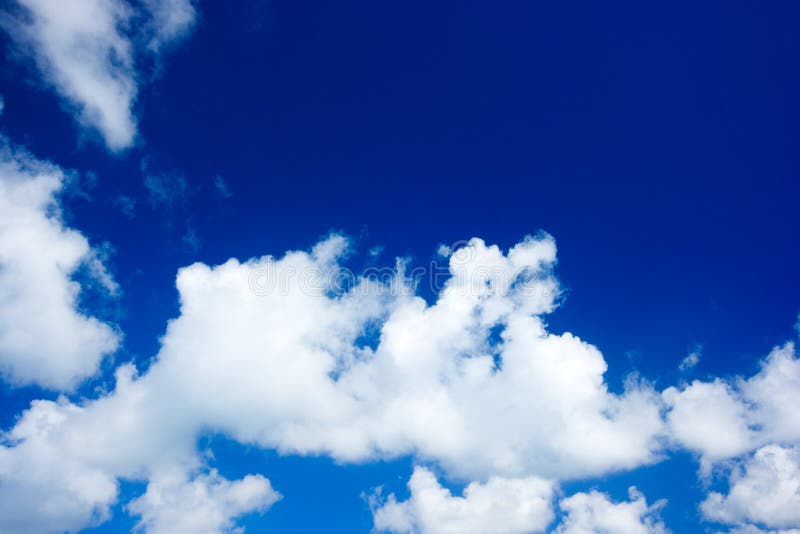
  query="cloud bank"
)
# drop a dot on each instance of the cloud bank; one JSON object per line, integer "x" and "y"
{"x": 278, "y": 353}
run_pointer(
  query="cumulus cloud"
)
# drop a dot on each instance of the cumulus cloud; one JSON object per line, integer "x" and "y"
{"x": 764, "y": 491}
{"x": 304, "y": 358}
{"x": 427, "y": 385}
{"x": 513, "y": 506}
{"x": 501, "y": 505}
{"x": 43, "y": 491}
{"x": 88, "y": 52}
{"x": 723, "y": 419}
{"x": 595, "y": 513}
{"x": 298, "y": 364}
{"x": 206, "y": 504}
{"x": 44, "y": 338}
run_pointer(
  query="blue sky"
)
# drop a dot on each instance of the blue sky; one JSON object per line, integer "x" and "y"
{"x": 654, "y": 146}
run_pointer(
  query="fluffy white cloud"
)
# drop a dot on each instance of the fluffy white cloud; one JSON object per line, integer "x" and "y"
{"x": 44, "y": 338}
{"x": 501, "y": 505}
{"x": 725, "y": 419}
{"x": 729, "y": 419}
{"x": 60, "y": 465}
{"x": 751, "y": 529}
{"x": 205, "y": 504}
{"x": 764, "y": 491}
{"x": 87, "y": 51}
{"x": 271, "y": 353}
{"x": 595, "y": 513}
{"x": 473, "y": 382}
{"x": 430, "y": 386}
{"x": 710, "y": 418}
{"x": 42, "y": 489}
{"x": 504, "y": 505}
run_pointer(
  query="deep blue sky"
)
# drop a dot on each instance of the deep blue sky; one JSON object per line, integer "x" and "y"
{"x": 657, "y": 142}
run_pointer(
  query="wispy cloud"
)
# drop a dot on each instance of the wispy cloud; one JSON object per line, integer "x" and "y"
{"x": 190, "y": 238}
{"x": 222, "y": 188}
{"x": 164, "y": 189}
{"x": 88, "y": 52}
{"x": 126, "y": 205}
{"x": 691, "y": 360}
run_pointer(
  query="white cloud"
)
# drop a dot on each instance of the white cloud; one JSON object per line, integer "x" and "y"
{"x": 709, "y": 418}
{"x": 44, "y": 490}
{"x": 690, "y": 361}
{"x": 725, "y": 419}
{"x": 60, "y": 464}
{"x": 517, "y": 506}
{"x": 289, "y": 372}
{"x": 283, "y": 351}
{"x": 87, "y": 50}
{"x": 205, "y": 504}
{"x": 595, "y": 513}
{"x": 171, "y": 21}
{"x": 501, "y": 506}
{"x": 81, "y": 50}
{"x": 44, "y": 338}
{"x": 751, "y": 529}
{"x": 764, "y": 491}
{"x": 427, "y": 384}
